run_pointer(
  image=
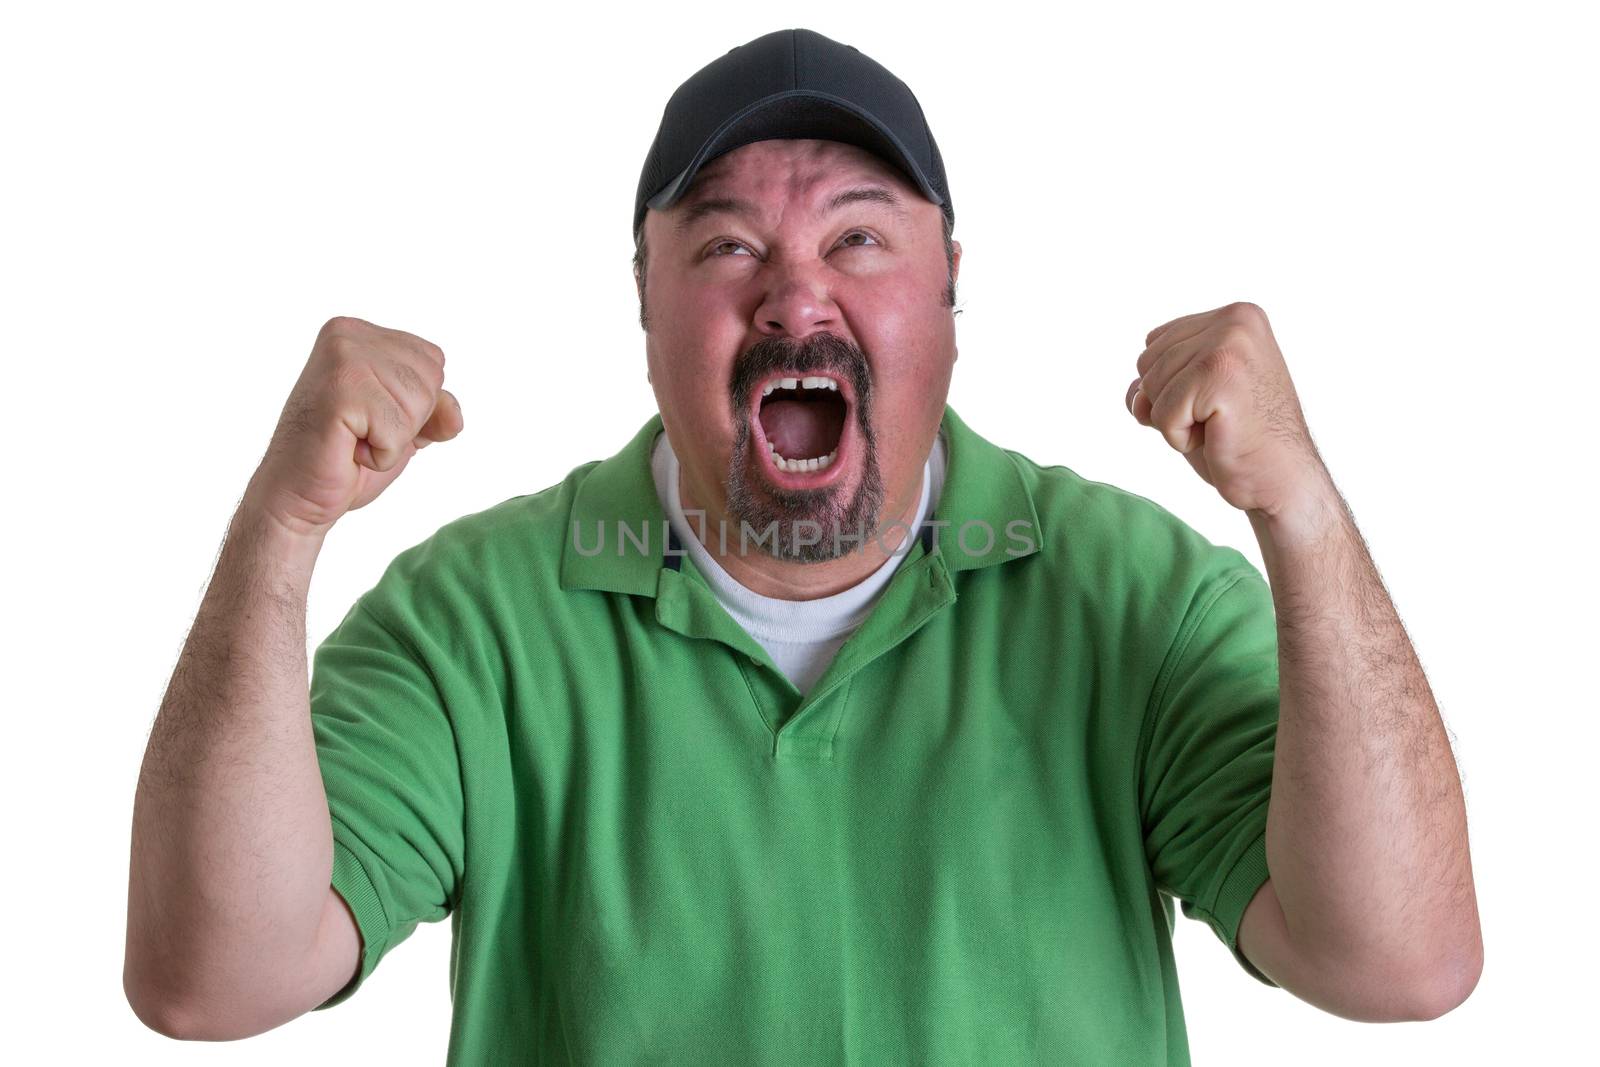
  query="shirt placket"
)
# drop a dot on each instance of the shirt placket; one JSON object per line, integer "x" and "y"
{"x": 804, "y": 727}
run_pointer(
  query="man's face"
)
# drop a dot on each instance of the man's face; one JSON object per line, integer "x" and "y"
{"x": 814, "y": 261}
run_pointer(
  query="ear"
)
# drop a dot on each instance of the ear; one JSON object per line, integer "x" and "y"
{"x": 955, "y": 259}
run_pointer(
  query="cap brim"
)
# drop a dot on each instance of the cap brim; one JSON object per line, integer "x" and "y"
{"x": 798, "y": 114}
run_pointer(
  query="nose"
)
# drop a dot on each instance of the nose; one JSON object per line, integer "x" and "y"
{"x": 795, "y": 303}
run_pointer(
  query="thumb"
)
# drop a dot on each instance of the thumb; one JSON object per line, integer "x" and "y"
{"x": 444, "y": 423}
{"x": 1132, "y": 402}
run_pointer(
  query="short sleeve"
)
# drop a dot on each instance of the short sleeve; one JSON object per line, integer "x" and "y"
{"x": 387, "y": 749}
{"x": 1207, "y": 767}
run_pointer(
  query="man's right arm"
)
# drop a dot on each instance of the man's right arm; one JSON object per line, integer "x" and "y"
{"x": 233, "y": 925}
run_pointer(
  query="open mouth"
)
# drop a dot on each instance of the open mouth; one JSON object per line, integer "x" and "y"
{"x": 804, "y": 427}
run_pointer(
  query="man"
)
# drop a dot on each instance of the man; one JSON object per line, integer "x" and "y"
{"x": 811, "y": 727}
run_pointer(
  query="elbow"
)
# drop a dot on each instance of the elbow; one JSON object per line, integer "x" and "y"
{"x": 186, "y": 1007}
{"x": 151, "y": 994}
{"x": 159, "y": 1014}
{"x": 1449, "y": 984}
{"x": 179, "y": 1020}
{"x": 148, "y": 1005}
{"x": 1389, "y": 988}
{"x": 171, "y": 1015}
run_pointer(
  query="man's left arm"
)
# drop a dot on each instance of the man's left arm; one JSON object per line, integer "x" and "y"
{"x": 1370, "y": 912}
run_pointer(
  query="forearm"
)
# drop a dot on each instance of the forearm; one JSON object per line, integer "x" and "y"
{"x": 232, "y": 850}
{"x": 1366, "y": 828}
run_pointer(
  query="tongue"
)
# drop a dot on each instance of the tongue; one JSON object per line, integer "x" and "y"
{"x": 801, "y": 430}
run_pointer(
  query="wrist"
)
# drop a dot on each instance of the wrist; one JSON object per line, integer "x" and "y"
{"x": 274, "y": 539}
{"x": 1309, "y": 517}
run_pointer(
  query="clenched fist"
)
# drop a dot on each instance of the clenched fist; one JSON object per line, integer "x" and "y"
{"x": 368, "y": 400}
{"x": 1217, "y": 387}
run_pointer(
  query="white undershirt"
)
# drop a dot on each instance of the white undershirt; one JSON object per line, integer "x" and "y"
{"x": 801, "y": 636}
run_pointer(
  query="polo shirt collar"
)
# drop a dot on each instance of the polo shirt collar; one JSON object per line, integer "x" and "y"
{"x": 983, "y": 485}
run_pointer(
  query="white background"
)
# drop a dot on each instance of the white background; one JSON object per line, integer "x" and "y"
{"x": 190, "y": 191}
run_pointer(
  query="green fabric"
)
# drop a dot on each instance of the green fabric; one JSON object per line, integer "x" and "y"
{"x": 963, "y": 845}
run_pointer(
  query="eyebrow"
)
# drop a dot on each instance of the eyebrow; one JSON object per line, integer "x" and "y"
{"x": 718, "y": 205}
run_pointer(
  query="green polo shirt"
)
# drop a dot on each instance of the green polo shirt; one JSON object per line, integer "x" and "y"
{"x": 962, "y": 845}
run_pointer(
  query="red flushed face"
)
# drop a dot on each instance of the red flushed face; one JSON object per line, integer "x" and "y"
{"x": 799, "y": 337}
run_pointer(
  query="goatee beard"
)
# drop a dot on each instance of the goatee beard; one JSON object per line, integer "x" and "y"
{"x": 843, "y": 523}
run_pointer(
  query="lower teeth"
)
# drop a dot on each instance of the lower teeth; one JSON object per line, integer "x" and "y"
{"x": 800, "y": 466}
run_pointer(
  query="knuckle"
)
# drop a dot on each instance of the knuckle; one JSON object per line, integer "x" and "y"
{"x": 413, "y": 390}
{"x": 1220, "y": 362}
{"x": 1161, "y": 410}
{"x": 340, "y": 350}
{"x": 349, "y": 375}
{"x": 387, "y": 426}
{"x": 1237, "y": 338}
{"x": 340, "y": 326}
{"x": 433, "y": 375}
{"x": 400, "y": 420}
{"x": 1245, "y": 311}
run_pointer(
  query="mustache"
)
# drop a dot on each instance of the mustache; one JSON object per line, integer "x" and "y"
{"x": 817, "y": 352}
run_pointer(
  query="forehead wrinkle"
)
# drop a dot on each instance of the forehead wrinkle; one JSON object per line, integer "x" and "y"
{"x": 877, "y": 194}
{"x": 706, "y": 205}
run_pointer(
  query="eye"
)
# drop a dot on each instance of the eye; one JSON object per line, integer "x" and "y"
{"x": 858, "y": 233}
{"x": 716, "y": 250}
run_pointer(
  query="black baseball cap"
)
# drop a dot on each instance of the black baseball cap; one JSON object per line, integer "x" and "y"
{"x": 789, "y": 84}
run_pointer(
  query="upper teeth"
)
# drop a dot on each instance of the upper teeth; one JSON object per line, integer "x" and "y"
{"x": 813, "y": 381}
